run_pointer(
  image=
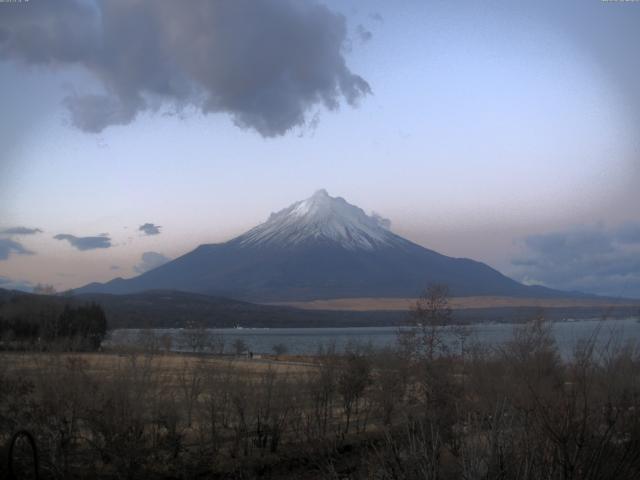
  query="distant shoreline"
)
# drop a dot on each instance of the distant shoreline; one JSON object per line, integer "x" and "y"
{"x": 457, "y": 303}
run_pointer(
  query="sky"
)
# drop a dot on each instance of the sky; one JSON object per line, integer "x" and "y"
{"x": 507, "y": 132}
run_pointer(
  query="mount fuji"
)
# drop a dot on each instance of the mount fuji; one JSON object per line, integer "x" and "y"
{"x": 320, "y": 248}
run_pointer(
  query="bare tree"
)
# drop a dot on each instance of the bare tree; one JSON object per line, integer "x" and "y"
{"x": 44, "y": 289}
{"x": 280, "y": 349}
{"x": 195, "y": 337}
{"x": 215, "y": 342}
{"x": 461, "y": 333}
{"x": 430, "y": 312}
{"x": 239, "y": 346}
{"x": 166, "y": 341}
{"x": 148, "y": 340}
{"x": 354, "y": 377}
{"x": 190, "y": 380}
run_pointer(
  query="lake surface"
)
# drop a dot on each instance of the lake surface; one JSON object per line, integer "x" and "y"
{"x": 309, "y": 340}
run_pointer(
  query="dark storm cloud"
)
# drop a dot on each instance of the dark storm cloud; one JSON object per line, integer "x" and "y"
{"x": 9, "y": 246}
{"x": 149, "y": 261}
{"x": 86, "y": 243}
{"x": 150, "y": 229}
{"x": 266, "y": 63}
{"x": 596, "y": 260}
{"x": 20, "y": 231}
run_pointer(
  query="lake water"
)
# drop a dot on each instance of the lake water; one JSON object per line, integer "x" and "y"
{"x": 309, "y": 340}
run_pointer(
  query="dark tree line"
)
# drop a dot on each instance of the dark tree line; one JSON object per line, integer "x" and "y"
{"x": 80, "y": 327}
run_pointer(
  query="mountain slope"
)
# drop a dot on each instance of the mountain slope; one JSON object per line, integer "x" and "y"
{"x": 321, "y": 247}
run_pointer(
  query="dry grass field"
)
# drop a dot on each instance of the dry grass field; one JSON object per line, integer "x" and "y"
{"x": 169, "y": 366}
{"x": 137, "y": 414}
{"x": 414, "y": 412}
{"x": 405, "y": 304}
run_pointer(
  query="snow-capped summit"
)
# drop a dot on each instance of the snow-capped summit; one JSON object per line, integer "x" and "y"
{"x": 321, "y": 247}
{"x": 321, "y": 218}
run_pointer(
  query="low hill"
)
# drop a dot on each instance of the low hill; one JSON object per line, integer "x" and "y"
{"x": 173, "y": 309}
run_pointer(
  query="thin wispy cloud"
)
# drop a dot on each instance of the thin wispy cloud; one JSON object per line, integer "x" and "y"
{"x": 86, "y": 243}
{"x": 267, "y": 64}
{"x": 20, "y": 231}
{"x": 9, "y": 246}
{"x": 149, "y": 261}
{"x": 150, "y": 229}
{"x": 382, "y": 221}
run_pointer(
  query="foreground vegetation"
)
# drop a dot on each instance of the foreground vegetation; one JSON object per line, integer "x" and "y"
{"x": 426, "y": 409}
{"x": 414, "y": 412}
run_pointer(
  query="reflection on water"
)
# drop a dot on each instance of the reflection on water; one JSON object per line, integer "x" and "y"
{"x": 309, "y": 340}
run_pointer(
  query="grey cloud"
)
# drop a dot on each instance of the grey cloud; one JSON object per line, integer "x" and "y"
{"x": 9, "y": 246}
{"x": 114, "y": 267}
{"x": 150, "y": 229}
{"x": 383, "y": 222}
{"x": 94, "y": 113}
{"x": 566, "y": 246}
{"x": 86, "y": 243}
{"x": 629, "y": 233}
{"x": 149, "y": 261}
{"x": 524, "y": 262}
{"x": 10, "y": 284}
{"x": 42, "y": 33}
{"x": 266, "y": 63}
{"x": 363, "y": 34}
{"x": 597, "y": 260}
{"x": 20, "y": 231}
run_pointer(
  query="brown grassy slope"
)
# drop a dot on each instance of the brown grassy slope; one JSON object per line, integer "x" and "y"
{"x": 168, "y": 365}
{"x": 403, "y": 304}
